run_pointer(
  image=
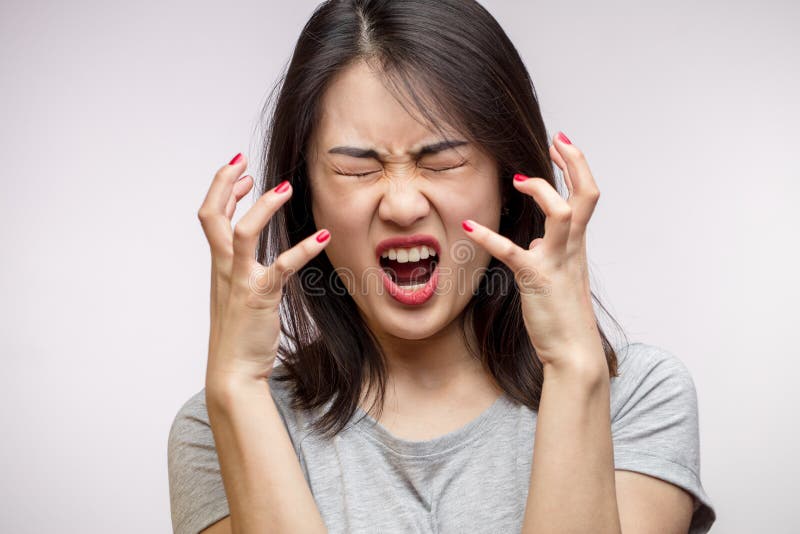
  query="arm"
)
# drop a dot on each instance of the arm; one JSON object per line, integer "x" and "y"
{"x": 572, "y": 485}
{"x": 264, "y": 484}
{"x": 261, "y": 475}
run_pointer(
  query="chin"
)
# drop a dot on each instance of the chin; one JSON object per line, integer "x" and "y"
{"x": 411, "y": 322}
{"x": 415, "y": 329}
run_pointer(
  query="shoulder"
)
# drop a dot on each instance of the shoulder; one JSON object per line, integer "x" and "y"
{"x": 655, "y": 422}
{"x": 653, "y": 374}
{"x": 190, "y": 421}
{"x": 643, "y": 358}
{"x": 197, "y": 493}
{"x": 654, "y": 391}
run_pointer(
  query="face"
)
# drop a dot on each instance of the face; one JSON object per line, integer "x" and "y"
{"x": 403, "y": 190}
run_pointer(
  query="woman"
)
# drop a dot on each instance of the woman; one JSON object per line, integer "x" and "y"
{"x": 432, "y": 286}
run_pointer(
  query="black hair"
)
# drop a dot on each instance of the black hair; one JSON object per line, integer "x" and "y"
{"x": 452, "y": 62}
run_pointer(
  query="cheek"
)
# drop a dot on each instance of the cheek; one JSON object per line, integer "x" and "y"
{"x": 474, "y": 199}
{"x": 343, "y": 211}
{"x": 347, "y": 217}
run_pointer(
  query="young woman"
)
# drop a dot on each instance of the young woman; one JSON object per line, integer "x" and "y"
{"x": 432, "y": 288}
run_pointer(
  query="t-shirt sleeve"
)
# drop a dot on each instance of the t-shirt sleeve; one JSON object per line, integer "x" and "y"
{"x": 655, "y": 423}
{"x": 197, "y": 493}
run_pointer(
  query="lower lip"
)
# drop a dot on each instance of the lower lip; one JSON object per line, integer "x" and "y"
{"x": 413, "y": 297}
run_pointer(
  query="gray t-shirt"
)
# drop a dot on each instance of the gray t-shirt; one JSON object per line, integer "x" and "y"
{"x": 474, "y": 479}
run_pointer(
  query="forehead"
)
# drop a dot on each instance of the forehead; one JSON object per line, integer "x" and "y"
{"x": 357, "y": 109}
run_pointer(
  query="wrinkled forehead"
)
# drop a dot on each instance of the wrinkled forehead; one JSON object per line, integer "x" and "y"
{"x": 358, "y": 109}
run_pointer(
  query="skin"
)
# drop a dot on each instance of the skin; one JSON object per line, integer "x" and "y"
{"x": 427, "y": 360}
{"x": 573, "y": 486}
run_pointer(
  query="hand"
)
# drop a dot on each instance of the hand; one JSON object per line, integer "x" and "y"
{"x": 245, "y": 295}
{"x": 552, "y": 274}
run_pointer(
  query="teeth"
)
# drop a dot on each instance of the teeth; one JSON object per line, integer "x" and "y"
{"x": 405, "y": 255}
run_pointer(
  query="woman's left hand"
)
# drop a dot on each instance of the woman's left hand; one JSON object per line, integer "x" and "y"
{"x": 552, "y": 274}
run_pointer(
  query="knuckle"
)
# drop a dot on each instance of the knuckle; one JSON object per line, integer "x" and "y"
{"x": 267, "y": 199}
{"x": 281, "y": 264}
{"x": 564, "y": 213}
{"x": 261, "y": 300}
{"x": 257, "y": 281}
{"x": 509, "y": 251}
{"x": 219, "y": 174}
{"x": 242, "y": 232}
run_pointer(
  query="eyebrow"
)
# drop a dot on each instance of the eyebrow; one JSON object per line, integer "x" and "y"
{"x": 371, "y": 153}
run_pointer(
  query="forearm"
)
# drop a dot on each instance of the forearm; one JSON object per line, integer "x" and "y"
{"x": 572, "y": 475}
{"x": 263, "y": 480}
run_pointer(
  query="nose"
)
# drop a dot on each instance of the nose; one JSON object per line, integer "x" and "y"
{"x": 402, "y": 202}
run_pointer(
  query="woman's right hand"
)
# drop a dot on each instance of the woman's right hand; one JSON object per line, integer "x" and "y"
{"x": 245, "y": 295}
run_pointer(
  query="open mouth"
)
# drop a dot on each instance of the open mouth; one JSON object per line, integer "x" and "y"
{"x": 409, "y": 267}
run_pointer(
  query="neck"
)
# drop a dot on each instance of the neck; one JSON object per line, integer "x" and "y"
{"x": 439, "y": 368}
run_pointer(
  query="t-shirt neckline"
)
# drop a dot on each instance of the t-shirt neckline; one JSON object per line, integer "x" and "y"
{"x": 438, "y": 445}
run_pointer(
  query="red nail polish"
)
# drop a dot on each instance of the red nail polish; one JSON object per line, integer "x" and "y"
{"x": 520, "y": 177}
{"x": 323, "y": 236}
{"x": 235, "y": 159}
{"x": 466, "y": 226}
{"x": 283, "y": 186}
{"x": 564, "y": 138}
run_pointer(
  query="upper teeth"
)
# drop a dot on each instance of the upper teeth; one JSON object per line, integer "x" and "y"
{"x": 403, "y": 255}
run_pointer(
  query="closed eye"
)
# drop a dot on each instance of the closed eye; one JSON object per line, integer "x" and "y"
{"x": 360, "y": 174}
{"x": 447, "y": 168}
{"x": 356, "y": 174}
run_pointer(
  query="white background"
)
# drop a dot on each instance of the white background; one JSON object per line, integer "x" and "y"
{"x": 115, "y": 117}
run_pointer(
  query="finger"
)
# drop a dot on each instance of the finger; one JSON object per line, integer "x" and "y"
{"x": 585, "y": 191}
{"x": 273, "y": 278}
{"x": 216, "y": 225}
{"x": 240, "y": 189}
{"x": 497, "y": 245}
{"x": 558, "y": 214}
{"x": 556, "y": 157}
{"x": 249, "y": 228}
{"x": 535, "y": 243}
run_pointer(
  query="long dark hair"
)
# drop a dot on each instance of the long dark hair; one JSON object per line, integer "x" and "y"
{"x": 460, "y": 68}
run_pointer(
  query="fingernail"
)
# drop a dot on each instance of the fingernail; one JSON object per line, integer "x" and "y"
{"x": 520, "y": 177}
{"x": 466, "y": 225}
{"x": 564, "y": 138}
{"x": 235, "y": 159}
{"x": 283, "y": 186}
{"x": 323, "y": 236}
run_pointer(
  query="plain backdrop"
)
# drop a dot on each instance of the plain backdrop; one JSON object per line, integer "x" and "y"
{"x": 116, "y": 115}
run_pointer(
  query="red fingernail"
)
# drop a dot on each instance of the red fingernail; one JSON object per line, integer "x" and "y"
{"x": 235, "y": 159}
{"x": 520, "y": 177}
{"x": 564, "y": 138}
{"x": 323, "y": 236}
{"x": 466, "y": 226}
{"x": 283, "y": 186}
